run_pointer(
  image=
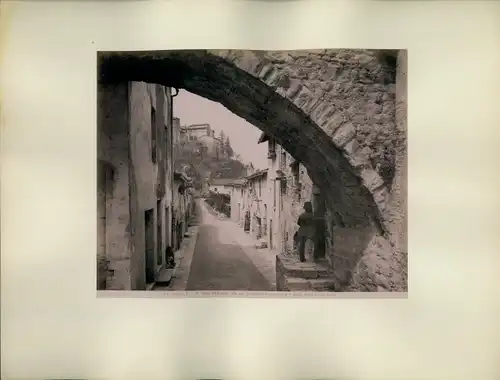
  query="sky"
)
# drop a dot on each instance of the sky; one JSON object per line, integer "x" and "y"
{"x": 193, "y": 109}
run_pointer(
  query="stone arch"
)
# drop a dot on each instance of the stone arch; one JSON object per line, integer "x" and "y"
{"x": 333, "y": 110}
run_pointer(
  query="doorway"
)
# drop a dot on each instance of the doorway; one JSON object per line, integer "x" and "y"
{"x": 159, "y": 233}
{"x": 104, "y": 194}
{"x": 149, "y": 245}
{"x": 168, "y": 240}
{"x": 271, "y": 234}
{"x": 264, "y": 224}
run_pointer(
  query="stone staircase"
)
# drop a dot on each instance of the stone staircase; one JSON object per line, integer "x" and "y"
{"x": 295, "y": 276}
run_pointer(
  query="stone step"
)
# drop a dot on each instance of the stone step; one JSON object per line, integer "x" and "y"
{"x": 292, "y": 267}
{"x": 165, "y": 276}
{"x": 295, "y": 284}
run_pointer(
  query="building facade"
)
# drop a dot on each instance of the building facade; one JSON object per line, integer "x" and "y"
{"x": 221, "y": 185}
{"x": 135, "y": 184}
{"x": 196, "y": 131}
{"x": 236, "y": 194}
{"x": 289, "y": 187}
{"x": 254, "y": 204}
{"x": 183, "y": 207}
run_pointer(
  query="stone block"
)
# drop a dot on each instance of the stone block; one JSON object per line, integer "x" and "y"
{"x": 381, "y": 198}
{"x": 301, "y": 94}
{"x": 293, "y": 284}
{"x": 360, "y": 159}
{"x": 323, "y": 285}
{"x": 351, "y": 148}
{"x": 292, "y": 267}
{"x": 336, "y": 121}
{"x": 323, "y": 113}
{"x": 344, "y": 134}
{"x": 293, "y": 89}
{"x": 371, "y": 179}
{"x": 271, "y": 76}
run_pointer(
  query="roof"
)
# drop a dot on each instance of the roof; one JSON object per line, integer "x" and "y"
{"x": 258, "y": 173}
{"x": 263, "y": 138}
{"x": 221, "y": 181}
{"x": 197, "y": 126}
{"x": 227, "y": 182}
{"x": 238, "y": 182}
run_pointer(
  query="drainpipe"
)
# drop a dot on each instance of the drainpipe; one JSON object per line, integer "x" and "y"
{"x": 172, "y": 163}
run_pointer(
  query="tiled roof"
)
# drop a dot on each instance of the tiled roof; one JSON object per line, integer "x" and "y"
{"x": 258, "y": 173}
{"x": 224, "y": 181}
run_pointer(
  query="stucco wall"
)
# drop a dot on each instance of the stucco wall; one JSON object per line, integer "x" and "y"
{"x": 235, "y": 203}
{"x": 113, "y": 148}
{"x": 221, "y": 189}
{"x": 125, "y": 143}
{"x": 145, "y": 174}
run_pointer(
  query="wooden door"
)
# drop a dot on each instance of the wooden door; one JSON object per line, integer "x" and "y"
{"x": 149, "y": 245}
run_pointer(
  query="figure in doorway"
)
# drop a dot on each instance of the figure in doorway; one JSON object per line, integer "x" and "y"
{"x": 169, "y": 254}
{"x": 305, "y": 235}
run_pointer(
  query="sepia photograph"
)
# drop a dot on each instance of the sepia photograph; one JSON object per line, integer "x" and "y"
{"x": 252, "y": 171}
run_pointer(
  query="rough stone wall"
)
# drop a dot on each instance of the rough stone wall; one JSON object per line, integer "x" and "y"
{"x": 382, "y": 265}
{"x": 350, "y": 95}
{"x": 113, "y": 148}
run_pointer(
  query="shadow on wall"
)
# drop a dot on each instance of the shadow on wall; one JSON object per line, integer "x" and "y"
{"x": 345, "y": 247}
{"x": 363, "y": 260}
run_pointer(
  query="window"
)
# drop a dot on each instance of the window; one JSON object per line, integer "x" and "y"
{"x": 264, "y": 232}
{"x": 271, "y": 146}
{"x": 168, "y": 144}
{"x": 296, "y": 179}
{"x": 274, "y": 194}
{"x": 149, "y": 245}
{"x": 159, "y": 233}
{"x": 153, "y": 135}
{"x": 283, "y": 160}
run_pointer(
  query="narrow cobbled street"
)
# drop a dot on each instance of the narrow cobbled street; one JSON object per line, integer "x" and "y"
{"x": 223, "y": 259}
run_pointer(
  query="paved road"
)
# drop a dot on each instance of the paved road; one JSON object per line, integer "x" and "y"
{"x": 218, "y": 265}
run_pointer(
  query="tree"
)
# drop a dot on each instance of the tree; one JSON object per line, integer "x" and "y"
{"x": 222, "y": 138}
{"x": 228, "y": 148}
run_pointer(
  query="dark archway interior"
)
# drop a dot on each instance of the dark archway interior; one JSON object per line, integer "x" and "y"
{"x": 217, "y": 79}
